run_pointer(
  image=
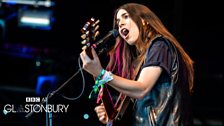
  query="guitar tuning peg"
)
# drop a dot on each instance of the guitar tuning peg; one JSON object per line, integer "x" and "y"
{"x": 85, "y": 27}
{"x": 96, "y": 28}
{"x": 83, "y": 36}
{"x": 96, "y": 34}
{"x": 97, "y": 22}
{"x": 92, "y": 19}
{"x": 84, "y": 42}
{"x": 84, "y": 47}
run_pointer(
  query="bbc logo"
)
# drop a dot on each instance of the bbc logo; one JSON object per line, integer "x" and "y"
{"x": 32, "y": 99}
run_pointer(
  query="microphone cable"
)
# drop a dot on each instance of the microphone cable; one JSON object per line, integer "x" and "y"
{"x": 83, "y": 82}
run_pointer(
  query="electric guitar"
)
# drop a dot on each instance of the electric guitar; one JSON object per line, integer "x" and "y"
{"x": 119, "y": 113}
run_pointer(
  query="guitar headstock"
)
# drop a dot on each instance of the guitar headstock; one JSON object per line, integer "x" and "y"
{"x": 89, "y": 34}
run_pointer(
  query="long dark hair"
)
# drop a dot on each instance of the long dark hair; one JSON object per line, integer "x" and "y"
{"x": 125, "y": 59}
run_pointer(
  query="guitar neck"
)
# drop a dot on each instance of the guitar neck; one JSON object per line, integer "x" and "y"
{"x": 89, "y": 52}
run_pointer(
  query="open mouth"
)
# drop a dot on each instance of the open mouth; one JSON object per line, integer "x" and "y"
{"x": 124, "y": 32}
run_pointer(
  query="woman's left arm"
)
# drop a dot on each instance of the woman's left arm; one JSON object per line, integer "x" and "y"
{"x": 137, "y": 89}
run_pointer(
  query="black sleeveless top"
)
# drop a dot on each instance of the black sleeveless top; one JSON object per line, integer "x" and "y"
{"x": 168, "y": 102}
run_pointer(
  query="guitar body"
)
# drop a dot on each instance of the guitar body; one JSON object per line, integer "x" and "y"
{"x": 120, "y": 113}
{"x": 123, "y": 117}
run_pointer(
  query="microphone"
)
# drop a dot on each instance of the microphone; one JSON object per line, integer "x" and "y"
{"x": 107, "y": 41}
{"x": 111, "y": 35}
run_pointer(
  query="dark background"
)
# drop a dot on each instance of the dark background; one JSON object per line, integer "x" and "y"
{"x": 197, "y": 25}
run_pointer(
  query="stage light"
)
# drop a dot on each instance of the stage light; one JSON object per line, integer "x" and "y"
{"x": 46, "y": 3}
{"x": 35, "y": 18}
{"x": 45, "y": 84}
{"x": 36, "y": 14}
{"x": 2, "y": 30}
